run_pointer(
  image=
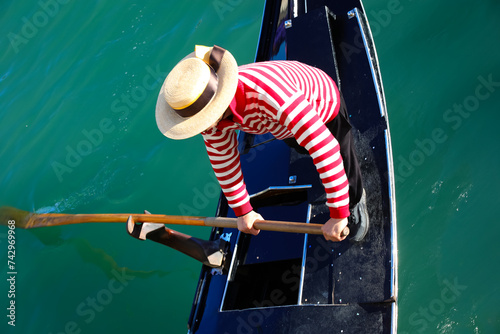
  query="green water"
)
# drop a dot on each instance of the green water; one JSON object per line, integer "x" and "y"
{"x": 78, "y": 87}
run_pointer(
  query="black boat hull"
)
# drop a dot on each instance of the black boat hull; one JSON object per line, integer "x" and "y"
{"x": 292, "y": 283}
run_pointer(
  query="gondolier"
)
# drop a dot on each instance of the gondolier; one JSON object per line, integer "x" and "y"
{"x": 207, "y": 93}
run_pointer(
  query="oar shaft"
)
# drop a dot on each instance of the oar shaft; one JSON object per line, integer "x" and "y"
{"x": 267, "y": 225}
{"x": 54, "y": 219}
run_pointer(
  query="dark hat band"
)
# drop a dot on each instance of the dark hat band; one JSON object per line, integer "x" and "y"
{"x": 214, "y": 63}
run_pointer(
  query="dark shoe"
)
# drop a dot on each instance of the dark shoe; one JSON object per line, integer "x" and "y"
{"x": 359, "y": 220}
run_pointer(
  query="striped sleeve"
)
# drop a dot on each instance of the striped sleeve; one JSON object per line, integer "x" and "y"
{"x": 222, "y": 149}
{"x": 303, "y": 121}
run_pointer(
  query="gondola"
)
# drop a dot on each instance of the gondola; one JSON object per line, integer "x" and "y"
{"x": 300, "y": 283}
{"x": 291, "y": 282}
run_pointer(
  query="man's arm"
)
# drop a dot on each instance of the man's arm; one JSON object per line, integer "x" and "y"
{"x": 302, "y": 120}
{"x": 223, "y": 153}
{"x": 222, "y": 149}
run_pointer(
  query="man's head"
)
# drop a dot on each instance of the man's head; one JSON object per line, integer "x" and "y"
{"x": 197, "y": 92}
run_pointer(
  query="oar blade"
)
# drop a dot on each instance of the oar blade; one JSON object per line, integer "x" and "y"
{"x": 9, "y": 214}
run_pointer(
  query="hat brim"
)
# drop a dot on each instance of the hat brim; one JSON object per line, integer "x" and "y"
{"x": 177, "y": 127}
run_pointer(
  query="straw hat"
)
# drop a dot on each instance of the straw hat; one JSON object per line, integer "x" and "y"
{"x": 197, "y": 92}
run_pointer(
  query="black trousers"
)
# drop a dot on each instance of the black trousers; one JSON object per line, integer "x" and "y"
{"x": 340, "y": 127}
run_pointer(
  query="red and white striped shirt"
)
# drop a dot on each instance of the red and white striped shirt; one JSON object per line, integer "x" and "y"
{"x": 287, "y": 99}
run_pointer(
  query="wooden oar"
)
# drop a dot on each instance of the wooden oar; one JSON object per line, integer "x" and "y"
{"x": 26, "y": 220}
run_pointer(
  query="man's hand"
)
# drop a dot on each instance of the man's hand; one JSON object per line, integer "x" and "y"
{"x": 245, "y": 223}
{"x": 333, "y": 228}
